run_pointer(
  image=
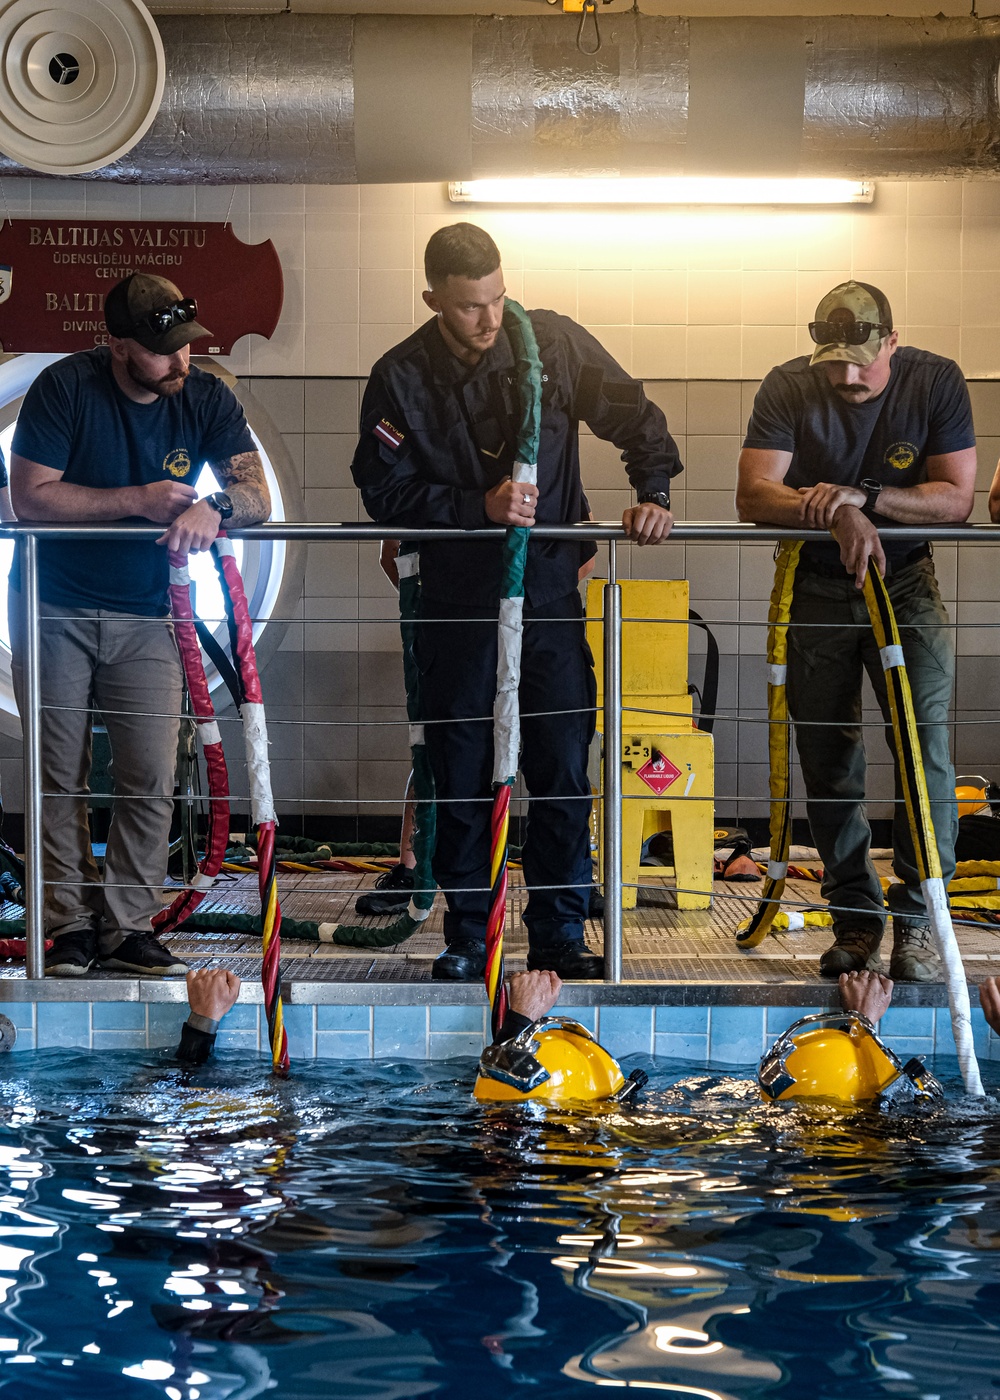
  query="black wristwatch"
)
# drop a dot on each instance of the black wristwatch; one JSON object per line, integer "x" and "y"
{"x": 220, "y": 501}
{"x": 655, "y": 498}
{"x": 871, "y": 488}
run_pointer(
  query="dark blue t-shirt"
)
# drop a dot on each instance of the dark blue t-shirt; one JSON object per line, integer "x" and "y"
{"x": 76, "y": 420}
{"x": 924, "y": 411}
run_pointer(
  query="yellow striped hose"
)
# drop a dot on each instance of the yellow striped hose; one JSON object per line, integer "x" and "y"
{"x": 909, "y": 758}
{"x": 779, "y": 747}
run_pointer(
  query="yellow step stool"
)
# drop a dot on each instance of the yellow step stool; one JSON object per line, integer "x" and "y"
{"x": 668, "y": 766}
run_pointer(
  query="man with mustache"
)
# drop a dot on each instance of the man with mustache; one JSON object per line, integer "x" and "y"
{"x": 865, "y": 433}
{"x": 120, "y": 432}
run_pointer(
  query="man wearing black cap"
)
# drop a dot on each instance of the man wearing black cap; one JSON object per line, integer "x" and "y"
{"x": 865, "y": 433}
{"x": 120, "y": 433}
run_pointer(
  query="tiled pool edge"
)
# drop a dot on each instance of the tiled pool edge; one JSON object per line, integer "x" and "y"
{"x": 440, "y": 1030}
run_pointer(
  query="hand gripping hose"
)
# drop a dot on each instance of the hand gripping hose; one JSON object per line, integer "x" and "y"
{"x": 506, "y": 710}
{"x": 909, "y": 759}
{"x": 779, "y": 747}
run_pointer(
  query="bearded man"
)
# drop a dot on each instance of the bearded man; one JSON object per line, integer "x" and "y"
{"x": 120, "y": 432}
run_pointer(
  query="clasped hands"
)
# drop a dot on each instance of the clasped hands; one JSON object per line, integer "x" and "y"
{"x": 193, "y": 524}
{"x": 838, "y": 508}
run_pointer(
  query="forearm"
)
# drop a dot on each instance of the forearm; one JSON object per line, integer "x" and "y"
{"x": 418, "y": 504}
{"x": 242, "y": 478}
{"x": 65, "y": 500}
{"x": 513, "y": 1024}
{"x": 649, "y": 452}
{"x": 764, "y": 502}
{"x": 931, "y": 503}
{"x": 197, "y": 1040}
{"x": 251, "y": 504}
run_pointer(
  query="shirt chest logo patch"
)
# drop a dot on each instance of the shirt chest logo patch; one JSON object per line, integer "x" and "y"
{"x": 386, "y": 433}
{"x": 900, "y": 455}
{"x": 177, "y": 463}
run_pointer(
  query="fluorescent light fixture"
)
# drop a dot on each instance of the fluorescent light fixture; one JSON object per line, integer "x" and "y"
{"x": 671, "y": 190}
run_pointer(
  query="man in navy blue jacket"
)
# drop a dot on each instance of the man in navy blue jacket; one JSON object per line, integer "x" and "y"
{"x": 438, "y": 434}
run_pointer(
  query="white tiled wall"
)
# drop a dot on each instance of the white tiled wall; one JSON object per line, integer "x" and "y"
{"x": 684, "y": 294}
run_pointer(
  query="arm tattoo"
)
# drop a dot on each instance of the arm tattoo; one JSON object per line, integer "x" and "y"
{"x": 242, "y": 479}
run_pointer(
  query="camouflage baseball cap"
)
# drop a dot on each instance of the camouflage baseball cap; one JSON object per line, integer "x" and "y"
{"x": 846, "y": 309}
{"x": 130, "y": 312}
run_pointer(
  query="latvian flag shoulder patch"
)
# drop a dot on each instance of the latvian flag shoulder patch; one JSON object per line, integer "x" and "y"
{"x": 384, "y": 430}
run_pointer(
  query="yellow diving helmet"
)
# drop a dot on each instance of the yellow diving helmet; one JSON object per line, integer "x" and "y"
{"x": 554, "y": 1060}
{"x": 839, "y": 1055}
{"x": 976, "y": 795}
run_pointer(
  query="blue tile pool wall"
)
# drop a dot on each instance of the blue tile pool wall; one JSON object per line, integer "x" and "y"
{"x": 725, "y": 1034}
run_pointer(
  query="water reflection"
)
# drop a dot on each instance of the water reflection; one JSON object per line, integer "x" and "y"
{"x": 371, "y": 1232}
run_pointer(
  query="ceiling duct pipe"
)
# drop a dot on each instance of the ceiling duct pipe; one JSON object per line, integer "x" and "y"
{"x": 339, "y": 99}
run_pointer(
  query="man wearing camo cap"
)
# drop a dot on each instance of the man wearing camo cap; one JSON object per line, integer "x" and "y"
{"x": 120, "y": 433}
{"x": 864, "y": 433}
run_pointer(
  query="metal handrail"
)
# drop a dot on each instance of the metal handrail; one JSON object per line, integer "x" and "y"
{"x": 683, "y": 532}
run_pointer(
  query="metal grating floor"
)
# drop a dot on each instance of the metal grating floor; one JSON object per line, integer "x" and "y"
{"x": 664, "y": 948}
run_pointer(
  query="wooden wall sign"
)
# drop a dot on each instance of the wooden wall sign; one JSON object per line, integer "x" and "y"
{"x": 55, "y": 274}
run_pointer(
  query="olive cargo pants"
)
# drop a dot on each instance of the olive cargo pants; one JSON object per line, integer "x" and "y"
{"x": 830, "y": 643}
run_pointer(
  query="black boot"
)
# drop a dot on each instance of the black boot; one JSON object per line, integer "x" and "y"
{"x": 390, "y": 893}
{"x": 464, "y": 961}
{"x": 571, "y": 960}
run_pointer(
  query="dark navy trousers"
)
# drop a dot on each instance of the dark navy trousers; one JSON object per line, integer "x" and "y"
{"x": 456, "y": 654}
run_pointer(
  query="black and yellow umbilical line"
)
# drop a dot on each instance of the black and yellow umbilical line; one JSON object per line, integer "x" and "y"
{"x": 779, "y": 748}
{"x": 906, "y": 742}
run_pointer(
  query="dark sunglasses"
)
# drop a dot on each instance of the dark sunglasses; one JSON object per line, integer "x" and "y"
{"x": 179, "y": 314}
{"x": 829, "y": 332}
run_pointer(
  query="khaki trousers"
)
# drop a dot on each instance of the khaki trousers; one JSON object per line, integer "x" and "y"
{"x": 127, "y": 668}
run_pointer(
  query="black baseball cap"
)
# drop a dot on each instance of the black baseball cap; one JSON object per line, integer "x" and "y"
{"x": 130, "y": 307}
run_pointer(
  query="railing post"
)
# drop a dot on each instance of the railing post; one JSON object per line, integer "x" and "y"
{"x": 611, "y": 812}
{"x": 31, "y": 721}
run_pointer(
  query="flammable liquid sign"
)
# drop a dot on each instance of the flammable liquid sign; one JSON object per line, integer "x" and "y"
{"x": 55, "y": 274}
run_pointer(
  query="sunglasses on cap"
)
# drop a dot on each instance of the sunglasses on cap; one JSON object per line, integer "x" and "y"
{"x": 178, "y": 314}
{"x": 852, "y": 333}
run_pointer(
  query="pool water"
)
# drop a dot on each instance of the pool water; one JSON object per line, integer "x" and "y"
{"x": 367, "y": 1232}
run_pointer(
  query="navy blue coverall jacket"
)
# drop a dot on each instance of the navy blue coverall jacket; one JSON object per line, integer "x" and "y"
{"x": 436, "y": 435}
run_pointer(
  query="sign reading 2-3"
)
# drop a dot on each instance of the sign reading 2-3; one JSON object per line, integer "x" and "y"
{"x": 66, "y": 267}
